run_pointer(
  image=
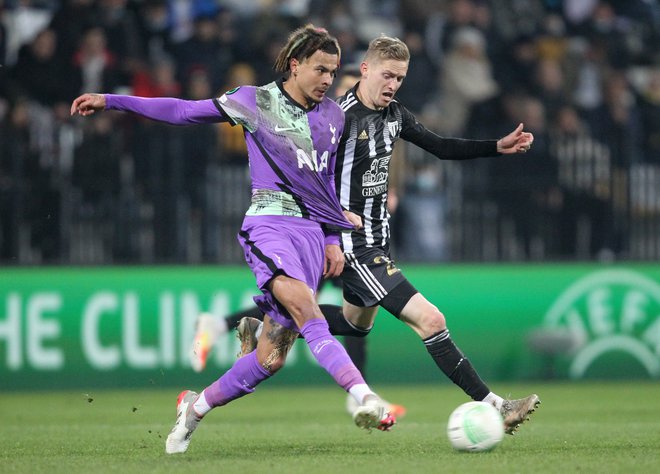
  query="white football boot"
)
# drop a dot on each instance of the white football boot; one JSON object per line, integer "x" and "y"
{"x": 186, "y": 422}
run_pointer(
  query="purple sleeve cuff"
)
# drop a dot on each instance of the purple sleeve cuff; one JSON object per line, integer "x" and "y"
{"x": 167, "y": 109}
{"x": 332, "y": 239}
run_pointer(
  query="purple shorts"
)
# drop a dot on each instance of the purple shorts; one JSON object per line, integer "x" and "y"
{"x": 275, "y": 245}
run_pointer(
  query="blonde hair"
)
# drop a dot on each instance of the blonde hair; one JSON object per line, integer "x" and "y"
{"x": 303, "y": 43}
{"x": 386, "y": 47}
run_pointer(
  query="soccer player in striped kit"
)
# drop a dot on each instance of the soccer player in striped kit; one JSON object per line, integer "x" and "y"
{"x": 374, "y": 122}
{"x": 290, "y": 234}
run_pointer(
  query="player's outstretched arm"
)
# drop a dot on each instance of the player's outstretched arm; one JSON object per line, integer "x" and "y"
{"x": 517, "y": 141}
{"x": 163, "y": 109}
{"x": 87, "y": 104}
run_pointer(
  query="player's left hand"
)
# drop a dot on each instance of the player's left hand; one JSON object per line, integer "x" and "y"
{"x": 354, "y": 219}
{"x": 515, "y": 142}
{"x": 334, "y": 261}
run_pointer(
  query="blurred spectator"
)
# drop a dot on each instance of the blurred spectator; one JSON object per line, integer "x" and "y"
{"x": 443, "y": 24}
{"x": 375, "y": 17}
{"x": 617, "y": 122}
{"x": 424, "y": 208}
{"x": 19, "y": 165}
{"x": 550, "y": 86}
{"x": 515, "y": 18}
{"x": 415, "y": 14}
{"x": 522, "y": 185}
{"x": 32, "y": 205}
{"x": 229, "y": 34}
{"x": 121, "y": 28}
{"x": 158, "y": 81}
{"x": 40, "y": 88}
{"x": 96, "y": 166}
{"x": 417, "y": 90}
{"x": 552, "y": 43}
{"x": 293, "y": 8}
{"x": 606, "y": 26}
{"x": 23, "y": 21}
{"x": 4, "y": 39}
{"x": 201, "y": 145}
{"x": 466, "y": 80}
{"x": 182, "y": 15}
{"x": 344, "y": 29}
{"x": 154, "y": 30}
{"x": 578, "y": 11}
{"x": 269, "y": 32}
{"x": 40, "y": 74}
{"x": 71, "y": 21}
{"x": 584, "y": 226}
{"x": 589, "y": 68}
{"x": 204, "y": 50}
{"x": 94, "y": 64}
{"x": 232, "y": 149}
{"x": 650, "y": 116}
{"x": 518, "y": 65}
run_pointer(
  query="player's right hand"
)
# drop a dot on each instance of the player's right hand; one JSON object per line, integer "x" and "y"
{"x": 334, "y": 261}
{"x": 87, "y": 104}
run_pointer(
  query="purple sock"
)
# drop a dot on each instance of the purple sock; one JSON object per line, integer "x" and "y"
{"x": 241, "y": 379}
{"x": 330, "y": 353}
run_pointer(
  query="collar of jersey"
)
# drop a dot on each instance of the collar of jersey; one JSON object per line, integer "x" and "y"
{"x": 280, "y": 84}
{"x": 359, "y": 101}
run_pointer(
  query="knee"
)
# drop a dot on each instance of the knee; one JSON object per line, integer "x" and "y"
{"x": 302, "y": 310}
{"x": 433, "y": 321}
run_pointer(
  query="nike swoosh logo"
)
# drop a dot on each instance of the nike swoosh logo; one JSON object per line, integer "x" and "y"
{"x": 283, "y": 129}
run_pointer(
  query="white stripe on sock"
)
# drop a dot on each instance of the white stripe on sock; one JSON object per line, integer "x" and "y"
{"x": 441, "y": 336}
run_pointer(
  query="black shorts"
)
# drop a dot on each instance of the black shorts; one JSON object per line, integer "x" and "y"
{"x": 371, "y": 278}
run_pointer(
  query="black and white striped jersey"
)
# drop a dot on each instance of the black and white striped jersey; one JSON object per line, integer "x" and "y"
{"x": 363, "y": 162}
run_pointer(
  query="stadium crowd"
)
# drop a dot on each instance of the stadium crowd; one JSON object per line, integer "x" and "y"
{"x": 582, "y": 75}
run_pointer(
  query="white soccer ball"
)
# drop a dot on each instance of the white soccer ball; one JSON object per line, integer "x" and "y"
{"x": 475, "y": 426}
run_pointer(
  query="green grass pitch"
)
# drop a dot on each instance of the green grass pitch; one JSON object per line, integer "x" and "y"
{"x": 579, "y": 427}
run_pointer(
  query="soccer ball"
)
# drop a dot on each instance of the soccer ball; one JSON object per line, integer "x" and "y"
{"x": 475, "y": 426}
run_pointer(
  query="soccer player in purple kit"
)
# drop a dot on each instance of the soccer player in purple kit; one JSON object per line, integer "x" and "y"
{"x": 290, "y": 234}
{"x": 208, "y": 327}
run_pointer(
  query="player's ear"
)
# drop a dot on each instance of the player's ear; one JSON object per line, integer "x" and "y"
{"x": 294, "y": 64}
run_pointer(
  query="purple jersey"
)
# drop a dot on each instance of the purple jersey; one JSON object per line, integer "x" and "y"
{"x": 292, "y": 152}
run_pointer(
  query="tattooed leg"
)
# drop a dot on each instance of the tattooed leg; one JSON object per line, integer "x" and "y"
{"x": 274, "y": 345}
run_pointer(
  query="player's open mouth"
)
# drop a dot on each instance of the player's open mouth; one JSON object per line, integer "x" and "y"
{"x": 388, "y": 95}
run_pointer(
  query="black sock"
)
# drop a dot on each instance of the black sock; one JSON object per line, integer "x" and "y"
{"x": 234, "y": 319}
{"x": 357, "y": 351}
{"x": 455, "y": 366}
{"x": 338, "y": 324}
{"x": 332, "y": 313}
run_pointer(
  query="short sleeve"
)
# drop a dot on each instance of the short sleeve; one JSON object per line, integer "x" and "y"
{"x": 239, "y": 105}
